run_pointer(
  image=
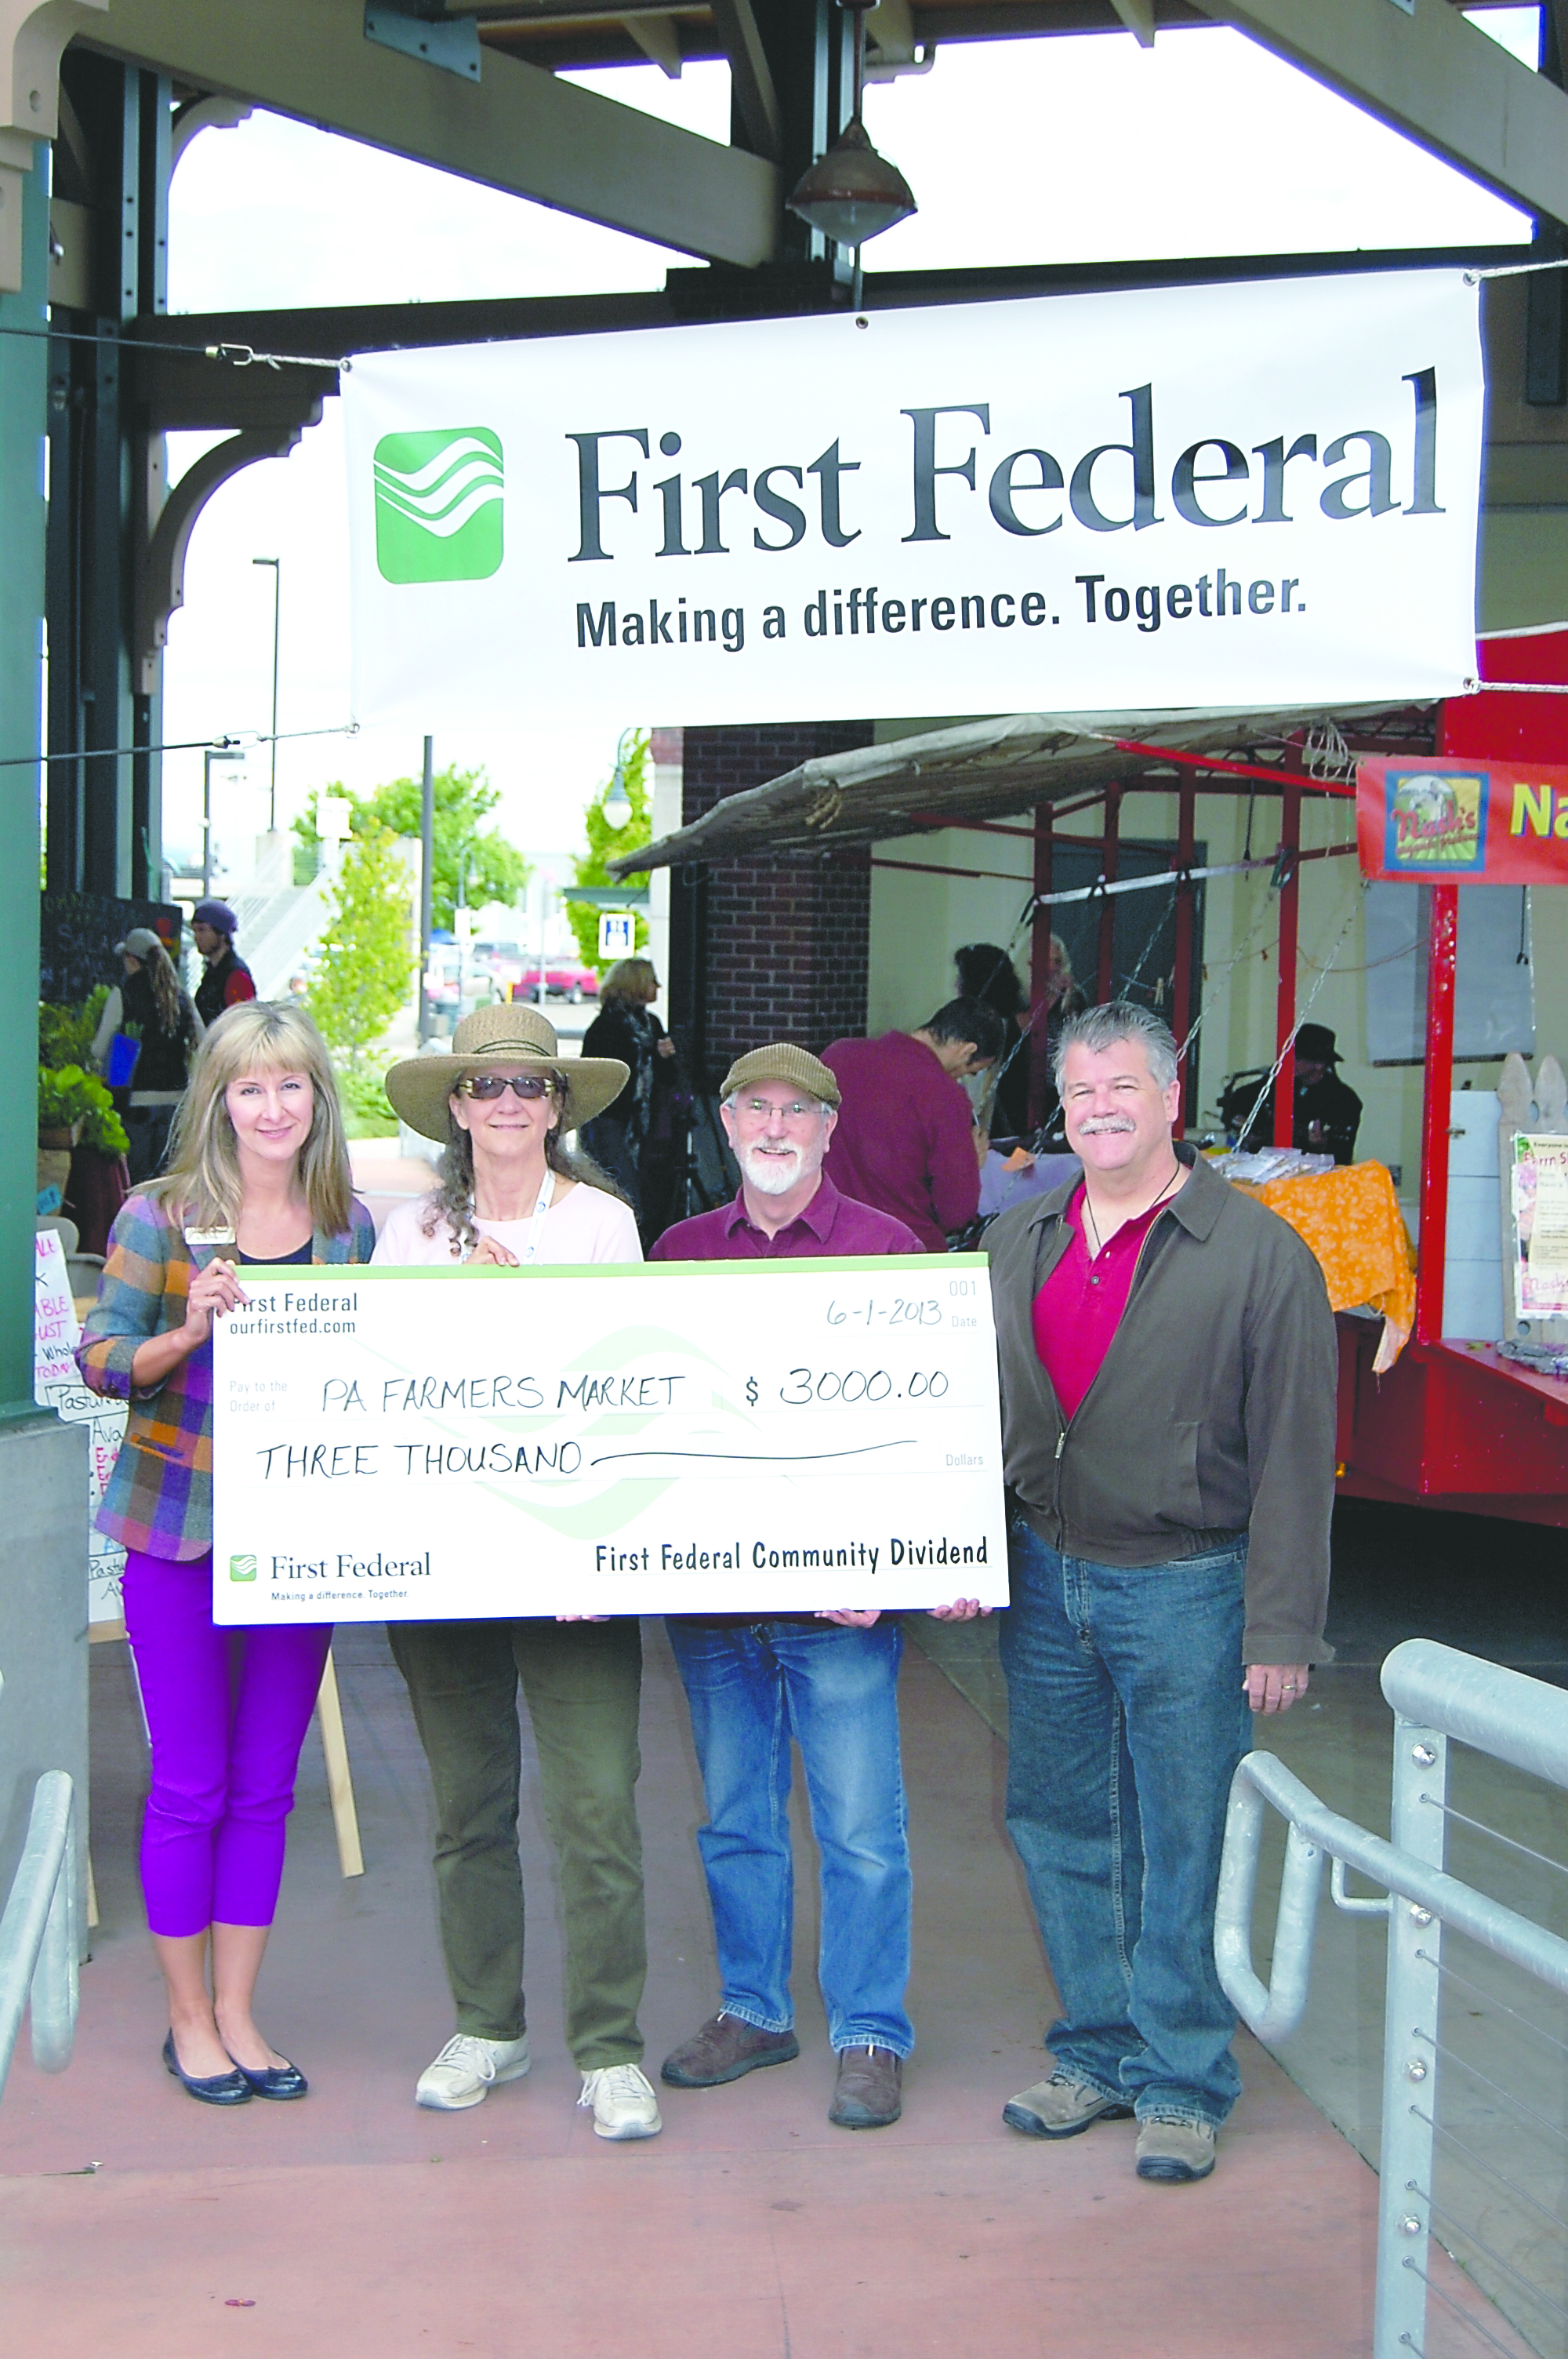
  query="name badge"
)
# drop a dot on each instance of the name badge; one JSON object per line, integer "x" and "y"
{"x": 208, "y": 1237}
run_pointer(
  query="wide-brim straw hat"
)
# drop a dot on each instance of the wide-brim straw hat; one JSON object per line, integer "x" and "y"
{"x": 510, "y": 1034}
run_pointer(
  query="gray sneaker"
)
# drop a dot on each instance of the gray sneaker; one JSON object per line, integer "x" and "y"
{"x": 1061, "y": 2107}
{"x": 466, "y": 2068}
{"x": 1175, "y": 2151}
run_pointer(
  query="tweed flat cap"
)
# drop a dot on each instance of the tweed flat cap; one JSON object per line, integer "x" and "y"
{"x": 781, "y": 1060}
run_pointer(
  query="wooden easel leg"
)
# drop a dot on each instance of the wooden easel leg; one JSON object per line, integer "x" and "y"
{"x": 339, "y": 1784}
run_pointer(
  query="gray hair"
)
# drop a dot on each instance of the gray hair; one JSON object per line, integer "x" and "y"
{"x": 1099, "y": 1028}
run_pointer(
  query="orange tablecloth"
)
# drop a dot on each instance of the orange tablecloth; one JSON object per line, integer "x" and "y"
{"x": 1351, "y": 1219}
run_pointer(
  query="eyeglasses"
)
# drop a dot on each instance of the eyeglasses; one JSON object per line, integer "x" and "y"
{"x": 495, "y": 1086}
{"x": 796, "y": 1111}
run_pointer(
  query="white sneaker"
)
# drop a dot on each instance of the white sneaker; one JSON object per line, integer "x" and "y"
{"x": 462, "y": 2072}
{"x": 623, "y": 2103}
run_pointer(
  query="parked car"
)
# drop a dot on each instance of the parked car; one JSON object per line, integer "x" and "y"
{"x": 564, "y": 979}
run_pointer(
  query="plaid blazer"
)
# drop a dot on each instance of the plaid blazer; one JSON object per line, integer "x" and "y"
{"x": 159, "y": 1497}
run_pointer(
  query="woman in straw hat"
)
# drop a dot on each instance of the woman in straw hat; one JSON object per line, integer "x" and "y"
{"x": 510, "y": 1190}
{"x": 258, "y": 1172}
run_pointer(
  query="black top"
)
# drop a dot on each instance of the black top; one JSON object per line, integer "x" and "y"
{"x": 1332, "y": 1105}
{"x": 623, "y": 1030}
{"x": 226, "y": 981}
{"x": 301, "y": 1254}
{"x": 164, "y": 1055}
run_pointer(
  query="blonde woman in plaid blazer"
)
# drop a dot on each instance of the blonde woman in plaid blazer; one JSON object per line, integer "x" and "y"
{"x": 258, "y": 1172}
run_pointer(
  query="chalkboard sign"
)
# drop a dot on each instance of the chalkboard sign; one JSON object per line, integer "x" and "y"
{"x": 78, "y": 932}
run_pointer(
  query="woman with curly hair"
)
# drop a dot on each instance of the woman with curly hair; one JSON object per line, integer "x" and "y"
{"x": 258, "y": 1172}
{"x": 150, "y": 1003}
{"x": 511, "y": 1192}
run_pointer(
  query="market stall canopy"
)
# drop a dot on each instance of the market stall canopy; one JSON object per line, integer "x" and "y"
{"x": 987, "y": 770}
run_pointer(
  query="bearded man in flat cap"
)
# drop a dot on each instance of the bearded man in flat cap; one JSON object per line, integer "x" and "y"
{"x": 829, "y": 1679}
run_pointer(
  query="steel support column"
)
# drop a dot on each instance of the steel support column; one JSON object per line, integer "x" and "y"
{"x": 1285, "y": 995}
{"x": 1039, "y": 974}
{"x": 1105, "y": 965}
{"x": 24, "y": 379}
{"x": 1182, "y": 981}
{"x": 106, "y": 477}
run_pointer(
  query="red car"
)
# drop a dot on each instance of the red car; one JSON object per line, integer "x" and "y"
{"x": 567, "y": 980}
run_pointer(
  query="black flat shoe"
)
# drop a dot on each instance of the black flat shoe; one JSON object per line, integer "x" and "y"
{"x": 217, "y": 2089}
{"x": 281, "y": 2082}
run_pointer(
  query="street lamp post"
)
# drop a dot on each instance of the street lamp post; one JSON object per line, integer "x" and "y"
{"x": 277, "y": 565}
{"x": 211, "y": 753}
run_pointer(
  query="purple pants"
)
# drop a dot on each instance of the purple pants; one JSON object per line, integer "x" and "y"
{"x": 227, "y": 1711}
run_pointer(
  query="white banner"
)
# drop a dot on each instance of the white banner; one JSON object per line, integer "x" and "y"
{"x": 1252, "y": 494}
{"x": 762, "y": 1438}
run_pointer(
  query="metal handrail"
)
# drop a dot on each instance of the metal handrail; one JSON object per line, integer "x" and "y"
{"x": 39, "y": 1932}
{"x": 1437, "y": 1694}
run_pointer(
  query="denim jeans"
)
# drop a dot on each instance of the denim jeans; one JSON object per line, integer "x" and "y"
{"x": 752, "y": 1689}
{"x": 1126, "y": 1720}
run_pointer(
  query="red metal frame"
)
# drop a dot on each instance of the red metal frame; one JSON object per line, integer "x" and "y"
{"x": 1285, "y": 992}
{"x": 1454, "y": 1425}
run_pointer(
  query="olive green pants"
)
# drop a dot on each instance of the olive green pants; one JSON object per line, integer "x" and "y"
{"x": 581, "y": 1681}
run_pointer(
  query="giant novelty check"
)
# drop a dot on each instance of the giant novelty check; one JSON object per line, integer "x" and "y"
{"x": 747, "y": 1437}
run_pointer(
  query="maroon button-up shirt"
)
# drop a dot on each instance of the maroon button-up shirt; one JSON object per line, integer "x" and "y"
{"x": 905, "y": 1139}
{"x": 831, "y": 1223}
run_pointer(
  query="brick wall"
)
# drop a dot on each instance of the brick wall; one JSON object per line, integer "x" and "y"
{"x": 783, "y": 955}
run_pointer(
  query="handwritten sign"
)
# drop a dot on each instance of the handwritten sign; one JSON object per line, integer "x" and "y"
{"x": 755, "y": 1437}
{"x": 57, "y": 1385}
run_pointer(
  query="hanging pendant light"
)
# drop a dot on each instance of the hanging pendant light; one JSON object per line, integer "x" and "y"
{"x": 851, "y": 193}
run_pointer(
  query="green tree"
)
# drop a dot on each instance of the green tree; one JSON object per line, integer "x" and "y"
{"x": 366, "y": 960}
{"x": 495, "y": 869}
{"x": 606, "y": 844}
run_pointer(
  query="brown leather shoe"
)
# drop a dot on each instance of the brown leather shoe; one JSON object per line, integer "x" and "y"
{"x": 868, "y": 2094}
{"x": 725, "y": 2049}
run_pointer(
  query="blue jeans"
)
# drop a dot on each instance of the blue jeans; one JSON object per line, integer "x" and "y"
{"x": 1128, "y": 1719}
{"x": 835, "y": 1691}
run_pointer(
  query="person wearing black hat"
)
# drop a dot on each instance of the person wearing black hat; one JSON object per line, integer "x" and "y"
{"x": 1327, "y": 1110}
{"x": 228, "y": 980}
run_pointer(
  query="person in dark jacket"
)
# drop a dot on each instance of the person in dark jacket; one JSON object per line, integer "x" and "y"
{"x": 150, "y": 1006}
{"x": 1327, "y": 1110}
{"x": 1168, "y": 1368}
{"x": 633, "y": 1139}
{"x": 228, "y": 980}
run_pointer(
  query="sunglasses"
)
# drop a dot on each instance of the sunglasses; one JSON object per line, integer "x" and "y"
{"x": 488, "y": 1086}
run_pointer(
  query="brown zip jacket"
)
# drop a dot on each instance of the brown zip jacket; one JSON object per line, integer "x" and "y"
{"x": 1212, "y": 1414}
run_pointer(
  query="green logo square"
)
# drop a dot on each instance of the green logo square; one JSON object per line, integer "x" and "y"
{"x": 439, "y": 502}
{"x": 241, "y": 1568}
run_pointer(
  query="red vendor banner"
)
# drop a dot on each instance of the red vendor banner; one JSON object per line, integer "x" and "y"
{"x": 1477, "y": 822}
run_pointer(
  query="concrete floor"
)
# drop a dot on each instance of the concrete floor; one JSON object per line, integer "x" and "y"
{"x": 1497, "y": 1591}
{"x": 135, "y": 2221}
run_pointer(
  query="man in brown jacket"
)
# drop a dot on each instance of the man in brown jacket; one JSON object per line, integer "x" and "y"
{"x": 1168, "y": 1369}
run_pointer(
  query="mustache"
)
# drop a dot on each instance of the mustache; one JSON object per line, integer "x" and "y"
{"x": 1096, "y": 1124}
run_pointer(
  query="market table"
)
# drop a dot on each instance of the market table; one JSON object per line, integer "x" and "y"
{"x": 1351, "y": 1219}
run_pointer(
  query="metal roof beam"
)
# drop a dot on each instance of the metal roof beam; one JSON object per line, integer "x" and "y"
{"x": 518, "y": 128}
{"x": 752, "y": 77}
{"x": 1435, "y": 78}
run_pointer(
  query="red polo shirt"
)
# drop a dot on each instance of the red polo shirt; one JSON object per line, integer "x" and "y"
{"x": 1079, "y": 1308}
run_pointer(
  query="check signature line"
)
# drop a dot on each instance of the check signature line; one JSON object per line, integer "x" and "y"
{"x": 758, "y": 1457}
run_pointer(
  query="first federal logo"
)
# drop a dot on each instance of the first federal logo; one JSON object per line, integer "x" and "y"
{"x": 439, "y": 505}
